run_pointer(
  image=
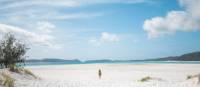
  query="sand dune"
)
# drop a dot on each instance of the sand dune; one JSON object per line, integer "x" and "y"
{"x": 114, "y": 75}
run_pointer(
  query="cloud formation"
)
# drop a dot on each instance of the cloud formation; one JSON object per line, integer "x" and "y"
{"x": 45, "y": 27}
{"x": 52, "y": 9}
{"x": 187, "y": 20}
{"x": 65, "y": 3}
{"x": 105, "y": 38}
{"x": 42, "y": 39}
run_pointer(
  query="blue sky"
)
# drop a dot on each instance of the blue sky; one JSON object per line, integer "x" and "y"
{"x": 102, "y": 29}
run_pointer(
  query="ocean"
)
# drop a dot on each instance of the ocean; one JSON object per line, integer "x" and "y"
{"x": 132, "y": 62}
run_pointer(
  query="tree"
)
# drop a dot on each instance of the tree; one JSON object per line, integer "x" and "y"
{"x": 12, "y": 51}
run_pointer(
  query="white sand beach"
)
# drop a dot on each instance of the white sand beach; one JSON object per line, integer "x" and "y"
{"x": 113, "y": 75}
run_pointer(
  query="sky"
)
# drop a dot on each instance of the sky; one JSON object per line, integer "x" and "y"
{"x": 103, "y": 29}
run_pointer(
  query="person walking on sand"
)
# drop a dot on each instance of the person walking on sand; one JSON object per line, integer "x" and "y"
{"x": 99, "y": 73}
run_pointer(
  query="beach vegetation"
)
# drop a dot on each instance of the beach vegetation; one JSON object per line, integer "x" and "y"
{"x": 194, "y": 76}
{"x": 12, "y": 52}
{"x": 7, "y": 80}
{"x": 22, "y": 70}
{"x": 144, "y": 79}
{"x": 26, "y": 71}
{"x": 147, "y": 78}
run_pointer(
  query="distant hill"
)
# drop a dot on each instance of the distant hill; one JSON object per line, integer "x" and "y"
{"x": 194, "y": 56}
{"x": 99, "y": 61}
{"x": 75, "y": 61}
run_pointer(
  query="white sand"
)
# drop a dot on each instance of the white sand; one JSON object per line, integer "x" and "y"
{"x": 114, "y": 75}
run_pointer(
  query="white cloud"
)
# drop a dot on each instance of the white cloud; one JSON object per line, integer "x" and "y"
{"x": 105, "y": 38}
{"x": 73, "y": 16}
{"x": 45, "y": 27}
{"x": 65, "y": 3}
{"x": 52, "y": 9}
{"x": 192, "y": 7}
{"x": 36, "y": 14}
{"x": 42, "y": 39}
{"x": 184, "y": 21}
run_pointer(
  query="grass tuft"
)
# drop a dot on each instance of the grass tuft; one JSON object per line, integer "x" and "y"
{"x": 189, "y": 77}
{"x": 144, "y": 79}
{"x": 29, "y": 73}
{"x": 147, "y": 78}
{"x": 21, "y": 71}
{"x": 14, "y": 68}
{"x": 8, "y": 81}
{"x": 194, "y": 76}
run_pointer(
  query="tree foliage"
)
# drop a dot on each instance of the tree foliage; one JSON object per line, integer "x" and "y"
{"x": 12, "y": 51}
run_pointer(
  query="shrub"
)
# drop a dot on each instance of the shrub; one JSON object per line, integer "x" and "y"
{"x": 12, "y": 51}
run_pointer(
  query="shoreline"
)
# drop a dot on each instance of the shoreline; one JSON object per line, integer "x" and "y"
{"x": 136, "y": 62}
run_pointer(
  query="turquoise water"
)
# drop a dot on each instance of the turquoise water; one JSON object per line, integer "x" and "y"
{"x": 133, "y": 62}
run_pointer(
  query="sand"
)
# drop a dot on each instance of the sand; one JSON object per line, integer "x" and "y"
{"x": 113, "y": 75}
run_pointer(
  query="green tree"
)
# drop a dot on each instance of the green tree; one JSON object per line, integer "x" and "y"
{"x": 12, "y": 51}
